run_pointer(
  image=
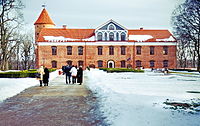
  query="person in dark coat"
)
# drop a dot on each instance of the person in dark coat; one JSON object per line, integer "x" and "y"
{"x": 68, "y": 74}
{"x": 46, "y": 77}
{"x": 80, "y": 75}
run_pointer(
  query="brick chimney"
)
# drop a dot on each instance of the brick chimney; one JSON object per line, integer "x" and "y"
{"x": 64, "y": 26}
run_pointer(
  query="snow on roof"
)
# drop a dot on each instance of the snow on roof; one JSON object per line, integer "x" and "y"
{"x": 167, "y": 39}
{"x": 63, "y": 39}
{"x": 140, "y": 38}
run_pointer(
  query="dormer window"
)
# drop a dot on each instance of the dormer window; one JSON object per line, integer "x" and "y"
{"x": 111, "y": 27}
{"x": 99, "y": 37}
{"x": 111, "y": 36}
{"x": 123, "y": 36}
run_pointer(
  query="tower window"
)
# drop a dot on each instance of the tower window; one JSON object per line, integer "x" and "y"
{"x": 165, "y": 63}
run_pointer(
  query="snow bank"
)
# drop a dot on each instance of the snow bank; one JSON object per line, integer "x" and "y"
{"x": 12, "y": 86}
{"x": 136, "y": 99}
{"x": 140, "y": 38}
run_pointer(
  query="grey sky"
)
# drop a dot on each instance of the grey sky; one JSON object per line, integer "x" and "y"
{"x": 132, "y": 14}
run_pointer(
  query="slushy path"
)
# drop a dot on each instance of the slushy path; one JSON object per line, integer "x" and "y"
{"x": 56, "y": 105}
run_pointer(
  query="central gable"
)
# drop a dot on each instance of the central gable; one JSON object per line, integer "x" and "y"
{"x": 111, "y": 24}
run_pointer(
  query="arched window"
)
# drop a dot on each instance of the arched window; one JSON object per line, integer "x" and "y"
{"x": 117, "y": 36}
{"x": 123, "y": 64}
{"x": 123, "y": 36}
{"x": 165, "y": 63}
{"x": 111, "y": 36}
{"x": 100, "y": 63}
{"x": 99, "y": 36}
{"x": 106, "y": 36}
{"x": 138, "y": 63}
{"x": 111, "y": 27}
{"x": 80, "y": 50}
{"x": 152, "y": 63}
{"x": 69, "y": 62}
{"x": 54, "y": 64}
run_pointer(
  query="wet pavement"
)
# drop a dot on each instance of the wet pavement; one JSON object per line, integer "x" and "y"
{"x": 56, "y": 105}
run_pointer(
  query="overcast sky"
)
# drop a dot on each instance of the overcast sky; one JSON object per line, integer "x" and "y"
{"x": 132, "y": 14}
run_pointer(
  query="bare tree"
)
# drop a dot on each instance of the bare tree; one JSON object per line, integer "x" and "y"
{"x": 27, "y": 50}
{"x": 10, "y": 21}
{"x": 186, "y": 24}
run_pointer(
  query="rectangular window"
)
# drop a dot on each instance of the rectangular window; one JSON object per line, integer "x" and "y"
{"x": 111, "y": 50}
{"x": 54, "y": 50}
{"x": 69, "y": 50}
{"x": 123, "y": 64}
{"x": 80, "y": 63}
{"x": 100, "y": 63}
{"x": 123, "y": 50}
{"x": 54, "y": 64}
{"x": 138, "y": 49}
{"x": 152, "y": 50}
{"x": 138, "y": 63}
{"x": 152, "y": 63}
{"x": 165, "y": 63}
{"x": 80, "y": 50}
{"x": 165, "y": 50}
{"x": 100, "y": 50}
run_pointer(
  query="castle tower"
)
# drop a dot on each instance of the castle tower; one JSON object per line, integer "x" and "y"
{"x": 44, "y": 21}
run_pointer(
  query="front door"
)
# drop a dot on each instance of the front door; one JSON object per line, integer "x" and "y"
{"x": 111, "y": 64}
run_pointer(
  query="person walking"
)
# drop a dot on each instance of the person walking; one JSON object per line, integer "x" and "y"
{"x": 68, "y": 74}
{"x": 74, "y": 74}
{"x": 80, "y": 75}
{"x": 46, "y": 76}
{"x": 41, "y": 73}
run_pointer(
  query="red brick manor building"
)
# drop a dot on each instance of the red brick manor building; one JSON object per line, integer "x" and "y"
{"x": 110, "y": 45}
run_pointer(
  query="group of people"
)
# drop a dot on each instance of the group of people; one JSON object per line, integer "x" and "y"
{"x": 43, "y": 76}
{"x": 73, "y": 73}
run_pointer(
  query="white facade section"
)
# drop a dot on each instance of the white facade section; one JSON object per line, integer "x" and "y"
{"x": 105, "y": 43}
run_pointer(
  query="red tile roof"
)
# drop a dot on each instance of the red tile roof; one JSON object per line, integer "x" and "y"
{"x": 156, "y": 34}
{"x": 80, "y": 34}
{"x": 67, "y": 33}
{"x": 44, "y": 18}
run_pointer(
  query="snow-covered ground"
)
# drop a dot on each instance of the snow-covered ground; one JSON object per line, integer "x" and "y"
{"x": 12, "y": 86}
{"x": 136, "y": 99}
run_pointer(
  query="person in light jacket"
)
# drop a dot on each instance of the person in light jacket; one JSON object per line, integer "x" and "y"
{"x": 73, "y": 73}
{"x": 41, "y": 72}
